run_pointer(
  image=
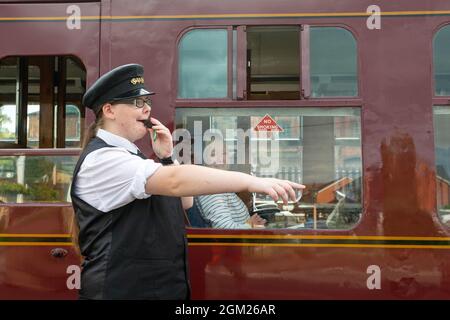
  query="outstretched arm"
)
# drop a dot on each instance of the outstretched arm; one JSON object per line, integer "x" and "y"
{"x": 192, "y": 180}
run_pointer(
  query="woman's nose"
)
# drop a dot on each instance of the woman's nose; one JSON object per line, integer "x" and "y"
{"x": 147, "y": 109}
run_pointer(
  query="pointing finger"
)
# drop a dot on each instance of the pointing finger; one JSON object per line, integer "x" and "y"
{"x": 289, "y": 189}
{"x": 281, "y": 192}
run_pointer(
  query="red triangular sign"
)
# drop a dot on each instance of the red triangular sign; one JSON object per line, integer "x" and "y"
{"x": 268, "y": 124}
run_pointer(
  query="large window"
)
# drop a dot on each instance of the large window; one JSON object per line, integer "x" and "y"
{"x": 441, "y": 117}
{"x": 40, "y": 107}
{"x": 442, "y": 148}
{"x": 40, "y": 102}
{"x": 441, "y": 51}
{"x": 267, "y": 63}
{"x": 320, "y": 147}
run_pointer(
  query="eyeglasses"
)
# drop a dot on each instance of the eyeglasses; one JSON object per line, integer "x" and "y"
{"x": 137, "y": 102}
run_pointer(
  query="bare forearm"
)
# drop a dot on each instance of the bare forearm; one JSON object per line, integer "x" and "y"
{"x": 203, "y": 180}
{"x": 191, "y": 180}
{"x": 187, "y": 202}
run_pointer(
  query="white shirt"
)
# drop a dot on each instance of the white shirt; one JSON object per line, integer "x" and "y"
{"x": 110, "y": 178}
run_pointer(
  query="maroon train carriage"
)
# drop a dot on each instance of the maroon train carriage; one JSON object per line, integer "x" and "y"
{"x": 352, "y": 98}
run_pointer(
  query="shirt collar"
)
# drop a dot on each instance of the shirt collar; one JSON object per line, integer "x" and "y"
{"x": 117, "y": 141}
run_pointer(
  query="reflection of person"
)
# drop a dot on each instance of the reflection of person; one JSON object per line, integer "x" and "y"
{"x": 224, "y": 210}
{"x": 227, "y": 211}
{"x": 127, "y": 207}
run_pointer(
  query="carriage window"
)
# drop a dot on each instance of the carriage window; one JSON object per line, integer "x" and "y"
{"x": 9, "y": 70}
{"x": 33, "y": 105}
{"x": 40, "y": 107}
{"x": 320, "y": 147}
{"x": 333, "y": 62}
{"x": 36, "y": 178}
{"x": 73, "y": 126}
{"x": 203, "y": 64}
{"x": 273, "y": 63}
{"x": 442, "y": 149}
{"x": 40, "y": 102}
{"x": 441, "y": 51}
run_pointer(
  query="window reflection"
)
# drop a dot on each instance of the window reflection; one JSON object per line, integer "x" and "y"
{"x": 272, "y": 58}
{"x": 73, "y": 126}
{"x": 33, "y": 111}
{"x": 333, "y": 62}
{"x": 8, "y": 120}
{"x": 33, "y": 102}
{"x": 203, "y": 64}
{"x": 442, "y": 149}
{"x": 9, "y": 70}
{"x": 319, "y": 147}
{"x": 441, "y": 52}
{"x": 36, "y": 178}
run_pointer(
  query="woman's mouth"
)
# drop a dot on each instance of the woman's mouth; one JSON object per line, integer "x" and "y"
{"x": 147, "y": 123}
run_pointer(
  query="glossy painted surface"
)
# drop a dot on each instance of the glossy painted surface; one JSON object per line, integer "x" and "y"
{"x": 396, "y": 98}
{"x": 318, "y": 273}
{"x": 29, "y": 233}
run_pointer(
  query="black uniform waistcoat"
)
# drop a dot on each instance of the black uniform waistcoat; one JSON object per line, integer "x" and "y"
{"x": 137, "y": 251}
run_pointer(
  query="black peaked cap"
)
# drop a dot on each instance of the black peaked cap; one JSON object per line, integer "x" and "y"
{"x": 123, "y": 82}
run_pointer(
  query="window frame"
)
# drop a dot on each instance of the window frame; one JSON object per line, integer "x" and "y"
{"x": 437, "y": 101}
{"x": 241, "y": 82}
{"x": 436, "y": 210}
{"x": 307, "y": 29}
{"x": 336, "y": 142}
{"x": 48, "y": 136}
{"x": 21, "y": 104}
{"x": 229, "y": 62}
{"x": 304, "y": 102}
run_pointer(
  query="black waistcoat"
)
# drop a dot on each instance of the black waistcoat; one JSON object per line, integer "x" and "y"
{"x": 137, "y": 251}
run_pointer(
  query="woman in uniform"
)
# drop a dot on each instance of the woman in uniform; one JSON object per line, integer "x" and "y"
{"x": 129, "y": 209}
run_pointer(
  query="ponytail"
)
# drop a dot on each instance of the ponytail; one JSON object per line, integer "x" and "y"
{"x": 90, "y": 134}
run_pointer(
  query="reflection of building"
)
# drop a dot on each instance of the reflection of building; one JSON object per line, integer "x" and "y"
{"x": 442, "y": 172}
{"x": 72, "y": 127}
{"x": 49, "y": 99}
{"x": 317, "y": 147}
{"x": 443, "y": 191}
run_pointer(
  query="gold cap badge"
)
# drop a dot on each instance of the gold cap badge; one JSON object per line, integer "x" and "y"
{"x": 137, "y": 80}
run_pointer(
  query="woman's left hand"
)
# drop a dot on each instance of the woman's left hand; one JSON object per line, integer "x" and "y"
{"x": 256, "y": 221}
{"x": 163, "y": 144}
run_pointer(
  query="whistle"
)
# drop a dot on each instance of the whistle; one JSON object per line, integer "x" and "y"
{"x": 147, "y": 123}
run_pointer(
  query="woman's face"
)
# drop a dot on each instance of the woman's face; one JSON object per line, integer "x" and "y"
{"x": 128, "y": 120}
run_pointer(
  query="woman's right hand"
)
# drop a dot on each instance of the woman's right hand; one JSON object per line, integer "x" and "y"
{"x": 275, "y": 188}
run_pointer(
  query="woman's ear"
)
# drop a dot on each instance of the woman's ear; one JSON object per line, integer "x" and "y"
{"x": 108, "y": 111}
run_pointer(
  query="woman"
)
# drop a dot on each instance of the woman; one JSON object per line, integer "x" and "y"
{"x": 224, "y": 210}
{"x": 227, "y": 211}
{"x": 128, "y": 208}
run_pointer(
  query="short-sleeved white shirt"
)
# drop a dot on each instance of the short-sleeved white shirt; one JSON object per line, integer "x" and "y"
{"x": 111, "y": 177}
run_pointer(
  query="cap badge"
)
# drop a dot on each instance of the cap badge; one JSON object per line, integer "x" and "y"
{"x": 137, "y": 80}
